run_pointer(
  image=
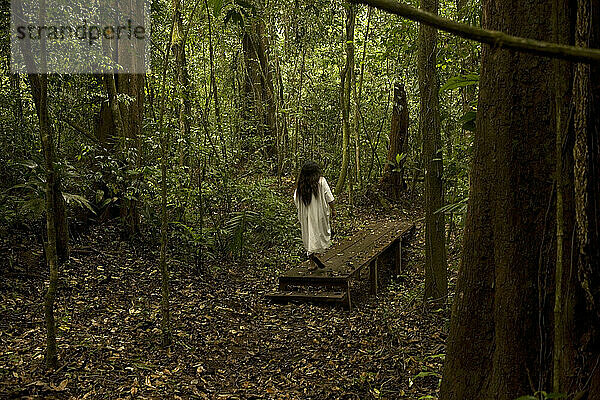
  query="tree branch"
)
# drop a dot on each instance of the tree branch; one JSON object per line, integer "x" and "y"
{"x": 494, "y": 38}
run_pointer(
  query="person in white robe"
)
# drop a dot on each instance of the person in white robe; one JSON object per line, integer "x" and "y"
{"x": 314, "y": 202}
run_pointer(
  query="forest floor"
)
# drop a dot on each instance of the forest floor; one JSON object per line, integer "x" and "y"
{"x": 229, "y": 342}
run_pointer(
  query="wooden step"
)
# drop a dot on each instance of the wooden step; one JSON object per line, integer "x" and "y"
{"x": 317, "y": 278}
{"x": 322, "y": 297}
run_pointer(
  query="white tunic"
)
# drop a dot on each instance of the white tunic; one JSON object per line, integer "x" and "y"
{"x": 314, "y": 219}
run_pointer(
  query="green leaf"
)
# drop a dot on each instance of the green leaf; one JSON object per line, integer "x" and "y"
{"x": 400, "y": 157}
{"x": 460, "y": 81}
{"x": 234, "y": 16}
{"x": 424, "y": 374}
{"x": 79, "y": 200}
{"x": 529, "y": 397}
{"x": 36, "y": 205}
{"x": 458, "y": 207}
{"x": 217, "y": 6}
{"x": 468, "y": 121}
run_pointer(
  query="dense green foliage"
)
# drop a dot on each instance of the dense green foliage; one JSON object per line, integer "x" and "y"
{"x": 227, "y": 156}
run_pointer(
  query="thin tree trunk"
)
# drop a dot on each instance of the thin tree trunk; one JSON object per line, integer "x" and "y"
{"x": 346, "y": 83}
{"x": 15, "y": 85}
{"x": 213, "y": 82}
{"x": 358, "y": 97}
{"x": 300, "y": 111}
{"x": 436, "y": 280}
{"x": 282, "y": 147}
{"x": 165, "y": 323}
{"x": 39, "y": 88}
{"x": 51, "y": 247}
{"x": 185, "y": 109}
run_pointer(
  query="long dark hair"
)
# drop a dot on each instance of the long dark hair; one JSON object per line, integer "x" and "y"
{"x": 308, "y": 182}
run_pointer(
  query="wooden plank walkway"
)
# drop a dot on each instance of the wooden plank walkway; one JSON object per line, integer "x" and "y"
{"x": 344, "y": 261}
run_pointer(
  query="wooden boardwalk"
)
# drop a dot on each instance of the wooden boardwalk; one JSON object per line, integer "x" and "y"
{"x": 343, "y": 262}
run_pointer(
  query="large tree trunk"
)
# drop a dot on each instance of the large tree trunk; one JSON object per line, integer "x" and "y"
{"x": 392, "y": 181}
{"x": 436, "y": 280}
{"x": 586, "y": 173}
{"x": 564, "y": 351}
{"x": 346, "y": 84}
{"x": 586, "y": 153}
{"x": 259, "y": 88}
{"x": 122, "y": 123}
{"x": 494, "y": 337}
{"x": 132, "y": 115}
{"x": 501, "y": 343}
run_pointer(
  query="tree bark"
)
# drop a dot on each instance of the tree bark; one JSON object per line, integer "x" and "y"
{"x": 165, "y": 310}
{"x": 586, "y": 174}
{"x": 111, "y": 90}
{"x": 358, "y": 98}
{"x": 259, "y": 86}
{"x": 213, "y": 83}
{"x": 39, "y": 88}
{"x": 127, "y": 122}
{"x": 527, "y": 152}
{"x": 494, "y": 339}
{"x": 55, "y": 210}
{"x": 183, "y": 85}
{"x": 392, "y": 181}
{"x": 346, "y": 84}
{"x": 495, "y": 38}
{"x": 436, "y": 280}
{"x": 564, "y": 352}
{"x": 15, "y": 85}
{"x": 133, "y": 115}
{"x": 300, "y": 112}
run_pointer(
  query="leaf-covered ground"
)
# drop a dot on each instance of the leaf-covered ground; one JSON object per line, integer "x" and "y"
{"x": 229, "y": 342}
